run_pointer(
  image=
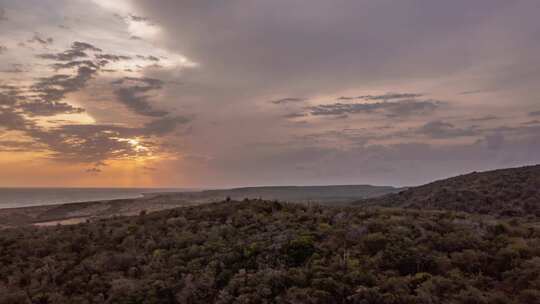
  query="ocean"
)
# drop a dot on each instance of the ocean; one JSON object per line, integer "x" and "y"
{"x": 25, "y": 197}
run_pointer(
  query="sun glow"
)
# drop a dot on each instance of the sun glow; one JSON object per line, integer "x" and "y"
{"x": 136, "y": 145}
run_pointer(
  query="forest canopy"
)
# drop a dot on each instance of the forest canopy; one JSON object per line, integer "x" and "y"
{"x": 272, "y": 252}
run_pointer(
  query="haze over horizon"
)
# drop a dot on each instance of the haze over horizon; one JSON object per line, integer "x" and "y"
{"x": 140, "y": 93}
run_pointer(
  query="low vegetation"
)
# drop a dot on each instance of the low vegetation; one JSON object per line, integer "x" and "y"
{"x": 503, "y": 193}
{"x": 270, "y": 252}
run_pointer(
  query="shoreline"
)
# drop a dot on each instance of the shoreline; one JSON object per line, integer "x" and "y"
{"x": 78, "y": 212}
{"x": 155, "y": 201}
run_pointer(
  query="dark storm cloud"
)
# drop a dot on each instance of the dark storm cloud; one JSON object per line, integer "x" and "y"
{"x": 133, "y": 93}
{"x": 441, "y": 129}
{"x": 400, "y": 108}
{"x": 3, "y": 49}
{"x": 534, "y": 113}
{"x": 288, "y": 100}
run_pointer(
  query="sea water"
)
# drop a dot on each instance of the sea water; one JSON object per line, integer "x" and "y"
{"x": 25, "y": 197}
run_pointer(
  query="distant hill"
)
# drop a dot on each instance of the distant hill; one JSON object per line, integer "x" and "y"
{"x": 80, "y": 212}
{"x": 298, "y": 194}
{"x": 505, "y": 192}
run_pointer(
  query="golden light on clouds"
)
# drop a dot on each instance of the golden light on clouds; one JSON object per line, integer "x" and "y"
{"x": 119, "y": 92}
{"x": 137, "y": 146}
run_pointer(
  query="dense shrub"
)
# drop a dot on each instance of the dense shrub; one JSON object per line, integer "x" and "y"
{"x": 270, "y": 252}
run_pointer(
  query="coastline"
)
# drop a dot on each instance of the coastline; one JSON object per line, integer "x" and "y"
{"x": 78, "y": 212}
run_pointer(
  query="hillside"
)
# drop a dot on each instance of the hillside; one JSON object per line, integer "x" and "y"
{"x": 269, "y": 252}
{"x": 81, "y": 212}
{"x": 505, "y": 192}
{"x": 299, "y": 194}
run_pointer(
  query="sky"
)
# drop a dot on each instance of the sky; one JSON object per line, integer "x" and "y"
{"x": 208, "y": 93}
